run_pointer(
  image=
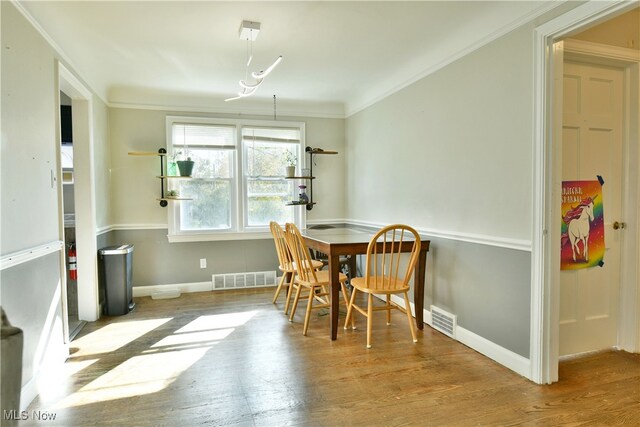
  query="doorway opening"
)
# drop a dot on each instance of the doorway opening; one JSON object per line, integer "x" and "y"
{"x": 545, "y": 290}
{"x": 69, "y": 213}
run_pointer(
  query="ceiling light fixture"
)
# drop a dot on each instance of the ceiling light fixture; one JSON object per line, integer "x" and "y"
{"x": 249, "y": 32}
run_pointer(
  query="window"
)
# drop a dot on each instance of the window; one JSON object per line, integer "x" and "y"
{"x": 238, "y": 183}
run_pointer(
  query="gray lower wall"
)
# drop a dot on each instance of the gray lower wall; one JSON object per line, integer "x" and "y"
{"x": 487, "y": 287}
{"x": 105, "y": 239}
{"x": 158, "y": 262}
{"x": 30, "y": 296}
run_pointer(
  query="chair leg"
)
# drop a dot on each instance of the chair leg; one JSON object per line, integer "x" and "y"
{"x": 408, "y": 310}
{"x": 295, "y": 303}
{"x": 350, "y": 311}
{"x": 345, "y": 295}
{"x": 289, "y": 292}
{"x": 388, "y": 309}
{"x": 308, "y": 313}
{"x": 278, "y": 289}
{"x": 369, "y": 320}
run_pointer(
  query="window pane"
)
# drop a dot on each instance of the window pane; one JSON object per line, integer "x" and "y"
{"x": 271, "y": 187}
{"x": 210, "y": 208}
{"x": 267, "y": 159}
{"x": 267, "y": 201}
{"x": 212, "y": 163}
{"x": 264, "y": 209}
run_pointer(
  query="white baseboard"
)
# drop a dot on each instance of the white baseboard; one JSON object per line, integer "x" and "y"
{"x": 31, "y": 389}
{"x": 518, "y": 364}
{"x": 507, "y": 358}
{"x": 146, "y": 291}
{"x": 28, "y": 392}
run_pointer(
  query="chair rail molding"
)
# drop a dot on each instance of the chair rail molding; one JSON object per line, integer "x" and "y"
{"x": 29, "y": 254}
{"x": 482, "y": 239}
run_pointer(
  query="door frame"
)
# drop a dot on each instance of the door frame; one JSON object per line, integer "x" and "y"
{"x": 84, "y": 188}
{"x": 547, "y": 161}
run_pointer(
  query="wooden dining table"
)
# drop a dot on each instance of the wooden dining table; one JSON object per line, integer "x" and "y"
{"x": 354, "y": 240}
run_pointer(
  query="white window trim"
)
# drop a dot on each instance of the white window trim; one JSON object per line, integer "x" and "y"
{"x": 239, "y": 196}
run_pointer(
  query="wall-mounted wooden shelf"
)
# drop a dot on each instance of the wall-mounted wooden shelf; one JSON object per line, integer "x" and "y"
{"x": 311, "y": 152}
{"x": 319, "y": 151}
{"x": 161, "y": 153}
{"x": 300, "y": 204}
{"x": 147, "y": 153}
{"x": 174, "y": 198}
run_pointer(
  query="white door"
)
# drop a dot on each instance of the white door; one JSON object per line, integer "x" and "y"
{"x": 592, "y": 145}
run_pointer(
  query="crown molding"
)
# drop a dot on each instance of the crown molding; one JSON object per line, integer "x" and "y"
{"x": 353, "y": 108}
{"x": 59, "y": 52}
{"x": 222, "y": 109}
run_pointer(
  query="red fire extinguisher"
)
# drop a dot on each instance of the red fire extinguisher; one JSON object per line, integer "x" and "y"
{"x": 73, "y": 271}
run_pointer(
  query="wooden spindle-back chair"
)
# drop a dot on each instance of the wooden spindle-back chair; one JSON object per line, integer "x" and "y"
{"x": 386, "y": 274}
{"x": 285, "y": 260}
{"x": 316, "y": 282}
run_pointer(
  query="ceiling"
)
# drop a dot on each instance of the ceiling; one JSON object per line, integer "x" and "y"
{"x": 339, "y": 57}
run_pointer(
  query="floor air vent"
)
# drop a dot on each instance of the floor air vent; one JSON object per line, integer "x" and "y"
{"x": 443, "y": 321}
{"x": 256, "y": 279}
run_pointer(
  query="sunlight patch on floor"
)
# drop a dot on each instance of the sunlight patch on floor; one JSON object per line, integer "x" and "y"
{"x": 158, "y": 366}
{"x": 49, "y": 382}
{"x": 218, "y": 321}
{"x": 194, "y": 337}
{"x": 140, "y": 375}
{"x": 113, "y": 336}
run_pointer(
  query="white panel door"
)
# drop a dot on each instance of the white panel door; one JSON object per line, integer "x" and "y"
{"x": 592, "y": 145}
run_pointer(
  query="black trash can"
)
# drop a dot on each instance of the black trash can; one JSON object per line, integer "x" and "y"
{"x": 115, "y": 272}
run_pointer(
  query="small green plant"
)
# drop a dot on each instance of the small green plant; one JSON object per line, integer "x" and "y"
{"x": 176, "y": 155}
{"x": 290, "y": 158}
{"x": 172, "y": 193}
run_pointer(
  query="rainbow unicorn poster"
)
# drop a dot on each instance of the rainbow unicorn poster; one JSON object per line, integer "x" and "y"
{"x": 582, "y": 242}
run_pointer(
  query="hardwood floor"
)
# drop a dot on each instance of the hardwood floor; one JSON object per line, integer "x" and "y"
{"x": 232, "y": 358}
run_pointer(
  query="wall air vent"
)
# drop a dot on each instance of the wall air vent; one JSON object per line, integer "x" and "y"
{"x": 257, "y": 279}
{"x": 443, "y": 321}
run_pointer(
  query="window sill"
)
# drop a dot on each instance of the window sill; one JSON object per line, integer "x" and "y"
{"x": 211, "y": 237}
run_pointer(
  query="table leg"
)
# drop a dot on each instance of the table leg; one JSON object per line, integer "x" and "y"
{"x": 418, "y": 289}
{"x": 334, "y": 270}
{"x": 352, "y": 266}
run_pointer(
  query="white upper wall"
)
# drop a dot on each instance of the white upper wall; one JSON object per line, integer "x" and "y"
{"x": 452, "y": 152}
{"x": 29, "y": 199}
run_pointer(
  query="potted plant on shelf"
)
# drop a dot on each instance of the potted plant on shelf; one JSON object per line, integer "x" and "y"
{"x": 171, "y": 194}
{"x": 291, "y": 160}
{"x": 185, "y": 166}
